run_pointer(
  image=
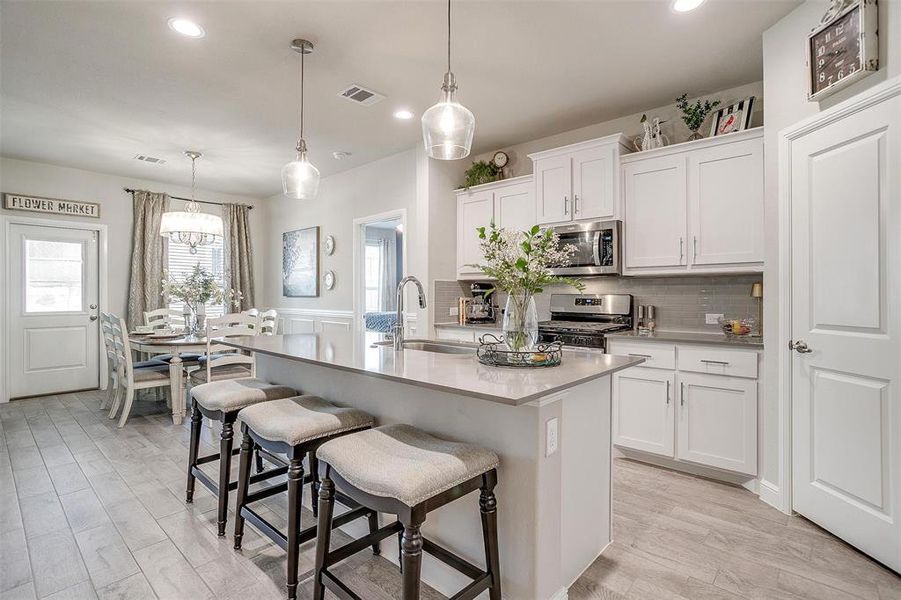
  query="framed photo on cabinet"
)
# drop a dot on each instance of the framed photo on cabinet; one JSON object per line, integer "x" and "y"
{"x": 736, "y": 117}
{"x": 843, "y": 49}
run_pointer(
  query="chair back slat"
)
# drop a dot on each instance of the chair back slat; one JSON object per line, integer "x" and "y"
{"x": 230, "y": 325}
{"x": 164, "y": 317}
{"x": 268, "y": 319}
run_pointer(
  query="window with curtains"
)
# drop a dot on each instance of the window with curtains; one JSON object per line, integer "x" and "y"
{"x": 181, "y": 263}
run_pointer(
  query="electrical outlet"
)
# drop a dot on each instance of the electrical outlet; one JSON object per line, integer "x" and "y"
{"x": 712, "y": 318}
{"x": 551, "y": 436}
{"x": 453, "y": 311}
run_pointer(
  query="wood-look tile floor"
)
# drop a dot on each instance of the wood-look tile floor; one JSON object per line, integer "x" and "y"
{"x": 91, "y": 511}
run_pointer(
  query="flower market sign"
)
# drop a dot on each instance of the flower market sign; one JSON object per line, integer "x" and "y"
{"x": 51, "y": 205}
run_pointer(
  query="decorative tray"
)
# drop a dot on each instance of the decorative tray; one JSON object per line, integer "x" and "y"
{"x": 493, "y": 351}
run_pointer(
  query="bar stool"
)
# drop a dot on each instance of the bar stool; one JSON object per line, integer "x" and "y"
{"x": 221, "y": 401}
{"x": 401, "y": 470}
{"x": 295, "y": 427}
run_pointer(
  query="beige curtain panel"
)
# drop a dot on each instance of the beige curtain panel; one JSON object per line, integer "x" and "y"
{"x": 238, "y": 252}
{"x": 148, "y": 255}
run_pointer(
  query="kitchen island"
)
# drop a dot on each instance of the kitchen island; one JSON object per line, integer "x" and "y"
{"x": 551, "y": 428}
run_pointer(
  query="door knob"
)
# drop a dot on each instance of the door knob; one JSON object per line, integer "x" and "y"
{"x": 93, "y": 306}
{"x": 800, "y": 347}
{"x": 93, "y": 317}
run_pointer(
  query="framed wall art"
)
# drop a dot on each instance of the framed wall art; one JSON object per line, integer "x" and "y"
{"x": 736, "y": 117}
{"x": 300, "y": 263}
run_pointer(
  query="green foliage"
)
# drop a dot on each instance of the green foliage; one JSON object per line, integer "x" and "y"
{"x": 482, "y": 172}
{"x": 199, "y": 287}
{"x": 694, "y": 114}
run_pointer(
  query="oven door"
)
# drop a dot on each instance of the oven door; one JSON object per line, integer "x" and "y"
{"x": 596, "y": 248}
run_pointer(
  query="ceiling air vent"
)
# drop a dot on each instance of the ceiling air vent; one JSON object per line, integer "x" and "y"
{"x": 150, "y": 159}
{"x": 359, "y": 95}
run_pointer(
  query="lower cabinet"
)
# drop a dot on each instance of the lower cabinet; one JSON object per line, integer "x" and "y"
{"x": 644, "y": 418}
{"x": 702, "y": 418}
{"x": 463, "y": 334}
{"x": 717, "y": 422}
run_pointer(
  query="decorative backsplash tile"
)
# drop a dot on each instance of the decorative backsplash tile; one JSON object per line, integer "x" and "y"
{"x": 681, "y": 302}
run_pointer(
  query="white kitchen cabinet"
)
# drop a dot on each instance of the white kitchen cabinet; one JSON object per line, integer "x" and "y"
{"x": 688, "y": 403}
{"x": 463, "y": 333}
{"x": 643, "y": 410}
{"x": 695, "y": 207}
{"x": 509, "y": 204}
{"x": 655, "y": 212}
{"x": 717, "y": 422}
{"x": 579, "y": 182}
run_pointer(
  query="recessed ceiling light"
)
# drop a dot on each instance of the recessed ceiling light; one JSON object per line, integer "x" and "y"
{"x": 683, "y": 6}
{"x": 403, "y": 114}
{"x": 186, "y": 28}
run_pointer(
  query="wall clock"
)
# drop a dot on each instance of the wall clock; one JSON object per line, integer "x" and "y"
{"x": 843, "y": 49}
{"x": 500, "y": 159}
{"x": 330, "y": 245}
{"x": 329, "y": 280}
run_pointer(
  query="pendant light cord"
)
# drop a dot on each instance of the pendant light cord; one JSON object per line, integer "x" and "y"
{"x": 302, "y": 59}
{"x": 448, "y": 36}
{"x": 192, "y": 205}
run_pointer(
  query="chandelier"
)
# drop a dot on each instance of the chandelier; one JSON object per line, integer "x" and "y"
{"x": 190, "y": 226}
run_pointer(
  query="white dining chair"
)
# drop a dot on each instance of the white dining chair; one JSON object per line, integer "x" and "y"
{"x": 221, "y": 361}
{"x": 268, "y": 319}
{"x": 162, "y": 318}
{"x": 132, "y": 376}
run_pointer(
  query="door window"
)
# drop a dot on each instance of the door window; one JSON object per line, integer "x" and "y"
{"x": 53, "y": 276}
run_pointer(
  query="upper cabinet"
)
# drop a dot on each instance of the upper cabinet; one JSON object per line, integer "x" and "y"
{"x": 695, "y": 207}
{"x": 509, "y": 204}
{"x": 579, "y": 182}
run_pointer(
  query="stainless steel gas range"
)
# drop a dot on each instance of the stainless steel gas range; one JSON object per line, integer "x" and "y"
{"x": 582, "y": 320}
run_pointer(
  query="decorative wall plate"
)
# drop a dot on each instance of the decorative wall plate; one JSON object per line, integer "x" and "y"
{"x": 330, "y": 245}
{"x": 329, "y": 280}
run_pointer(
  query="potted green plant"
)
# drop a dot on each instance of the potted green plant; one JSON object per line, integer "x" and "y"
{"x": 694, "y": 115}
{"x": 520, "y": 262}
{"x": 482, "y": 172}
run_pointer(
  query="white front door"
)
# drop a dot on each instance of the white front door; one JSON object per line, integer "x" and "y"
{"x": 52, "y": 310}
{"x": 846, "y": 323}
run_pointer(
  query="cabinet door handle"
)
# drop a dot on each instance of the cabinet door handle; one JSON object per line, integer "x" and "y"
{"x": 681, "y": 249}
{"x": 640, "y": 355}
{"x": 667, "y": 392}
{"x": 565, "y": 205}
{"x": 715, "y": 362}
{"x": 696, "y": 248}
{"x": 681, "y": 393}
{"x": 576, "y": 209}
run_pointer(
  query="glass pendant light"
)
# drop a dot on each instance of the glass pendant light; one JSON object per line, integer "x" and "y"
{"x": 448, "y": 126}
{"x": 300, "y": 179}
{"x": 190, "y": 226}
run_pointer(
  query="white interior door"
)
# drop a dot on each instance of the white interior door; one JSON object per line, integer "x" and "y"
{"x": 52, "y": 310}
{"x": 846, "y": 311}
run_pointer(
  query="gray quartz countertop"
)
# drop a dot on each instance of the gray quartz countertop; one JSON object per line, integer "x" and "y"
{"x": 460, "y": 374}
{"x": 691, "y": 337}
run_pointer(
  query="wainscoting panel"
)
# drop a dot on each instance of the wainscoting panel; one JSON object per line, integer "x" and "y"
{"x": 299, "y": 320}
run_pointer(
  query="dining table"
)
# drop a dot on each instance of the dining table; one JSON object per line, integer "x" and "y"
{"x": 174, "y": 345}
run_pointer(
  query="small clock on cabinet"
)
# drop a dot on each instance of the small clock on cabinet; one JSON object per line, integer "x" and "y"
{"x": 843, "y": 49}
{"x": 500, "y": 159}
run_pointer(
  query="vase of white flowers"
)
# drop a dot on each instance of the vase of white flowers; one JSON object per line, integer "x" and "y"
{"x": 197, "y": 289}
{"x": 520, "y": 262}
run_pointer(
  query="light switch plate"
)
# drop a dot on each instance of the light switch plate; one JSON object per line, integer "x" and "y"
{"x": 551, "y": 431}
{"x": 712, "y": 318}
{"x": 453, "y": 311}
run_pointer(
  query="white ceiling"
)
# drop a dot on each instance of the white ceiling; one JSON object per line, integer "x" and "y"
{"x": 91, "y": 84}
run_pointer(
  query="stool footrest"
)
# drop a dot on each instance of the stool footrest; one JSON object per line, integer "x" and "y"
{"x": 348, "y": 550}
{"x": 451, "y": 559}
{"x": 473, "y": 589}
{"x": 337, "y": 587}
{"x": 265, "y": 527}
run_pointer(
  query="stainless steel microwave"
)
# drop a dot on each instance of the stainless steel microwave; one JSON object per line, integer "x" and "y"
{"x": 597, "y": 248}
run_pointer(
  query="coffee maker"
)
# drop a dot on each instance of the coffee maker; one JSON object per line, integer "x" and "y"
{"x": 481, "y": 309}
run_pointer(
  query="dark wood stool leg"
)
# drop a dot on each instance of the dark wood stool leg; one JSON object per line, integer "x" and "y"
{"x": 225, "y": 463}
{"x": 193, "y": 449}
{"x": 373, "y": 527}
{"x": 295, "y": 498}
{"x": 243, "y": 484}
{"x": 314, "y": 484}
{"x": 488, "y": 508}
{"x": 323, "y": 531}
{"x": 259, "y": 460}
{"x": 411, "y": 559}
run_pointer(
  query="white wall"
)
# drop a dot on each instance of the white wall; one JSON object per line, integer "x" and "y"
{"x": 40, "y": 179}
{"x": 630, "y": 125}
{"x": 785, "y": 86}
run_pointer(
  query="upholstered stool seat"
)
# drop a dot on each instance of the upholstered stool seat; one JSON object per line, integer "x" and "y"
{"x": 231, "y": 395}
{"x": 294, "y": 427}
{"x": 405, "y": 463}
{"x": 294, "y": 421}
{"x": 220, "y": 373}
{"x": 401, "y": 470}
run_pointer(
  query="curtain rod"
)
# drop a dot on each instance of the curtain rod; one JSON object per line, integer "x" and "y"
{"x": 132, "y": 191}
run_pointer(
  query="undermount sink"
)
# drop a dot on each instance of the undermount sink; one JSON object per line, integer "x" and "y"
{"x": 430, "y": 346}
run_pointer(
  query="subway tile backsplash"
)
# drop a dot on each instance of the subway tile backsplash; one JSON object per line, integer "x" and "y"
{"x": 682, "y": 302}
